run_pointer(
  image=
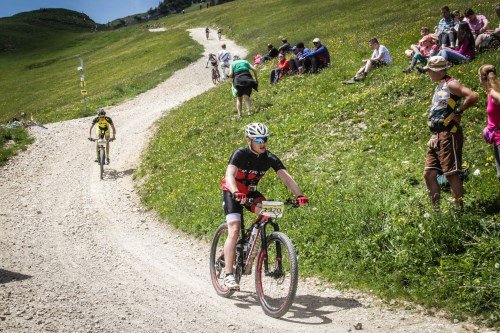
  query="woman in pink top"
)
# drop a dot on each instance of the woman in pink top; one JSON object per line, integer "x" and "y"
{"x": 477, "y": 23}
{"x": 489, "y": 81}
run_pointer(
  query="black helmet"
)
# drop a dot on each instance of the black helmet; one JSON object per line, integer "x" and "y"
{"x": 101, "y": 112}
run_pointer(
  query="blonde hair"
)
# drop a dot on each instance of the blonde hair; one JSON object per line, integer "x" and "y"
{"x": 488, "y": 73}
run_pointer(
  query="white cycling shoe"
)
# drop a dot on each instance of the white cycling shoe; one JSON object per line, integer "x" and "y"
{"x": 231, "y": 283}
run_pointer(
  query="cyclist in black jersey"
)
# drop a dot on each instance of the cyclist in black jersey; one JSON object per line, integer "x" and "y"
{"x": 246, "y": 167}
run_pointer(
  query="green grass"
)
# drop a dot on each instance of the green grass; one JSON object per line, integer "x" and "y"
{"x": 356, "y": 151}
{"x": 40, "y": 78}
{"x": 12, "y": 141}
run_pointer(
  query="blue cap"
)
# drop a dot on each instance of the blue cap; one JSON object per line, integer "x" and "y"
{"x": 294, "y": 48}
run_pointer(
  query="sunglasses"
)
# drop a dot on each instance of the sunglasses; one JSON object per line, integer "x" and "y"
{"x": 259, "y": 140}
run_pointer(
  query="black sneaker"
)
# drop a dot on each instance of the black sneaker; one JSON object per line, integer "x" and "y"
{"x": 408, "y": 70}
{"x": 421, "y": 70}
{"x": 96, "y": 160}
{"x": 107, "y": 161}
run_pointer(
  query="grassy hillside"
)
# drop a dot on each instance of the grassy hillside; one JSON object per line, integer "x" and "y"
{"x": 356, "y": 151}
{"x": 39, "y": 64}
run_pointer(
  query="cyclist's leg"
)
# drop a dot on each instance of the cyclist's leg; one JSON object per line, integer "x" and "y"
{"x": 107, "y": 134}
{"x": 233, "y": 211}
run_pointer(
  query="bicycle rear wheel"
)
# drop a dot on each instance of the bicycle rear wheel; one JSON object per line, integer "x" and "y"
{"x": 276, "y": 289}
{"x": 102, "y": 157}
{"x": 217, "y": 264}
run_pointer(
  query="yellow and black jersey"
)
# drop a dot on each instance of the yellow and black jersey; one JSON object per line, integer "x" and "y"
{"x": 102, "y": 122}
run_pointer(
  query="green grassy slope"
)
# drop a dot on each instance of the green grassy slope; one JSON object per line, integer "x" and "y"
{"x": 357, "y": 152}
{"x": 39, "y": 67}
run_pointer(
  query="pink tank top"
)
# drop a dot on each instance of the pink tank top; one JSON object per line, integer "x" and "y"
{"x": 493, "y": 113}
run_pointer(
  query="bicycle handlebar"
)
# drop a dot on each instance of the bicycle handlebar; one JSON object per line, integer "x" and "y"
{"x": 93, "y": 140}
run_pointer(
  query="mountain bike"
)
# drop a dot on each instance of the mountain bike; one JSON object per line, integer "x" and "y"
{"x": 101, "y": 152}
{"x": 276, "y": 272}
{"x": 215, "y": 75}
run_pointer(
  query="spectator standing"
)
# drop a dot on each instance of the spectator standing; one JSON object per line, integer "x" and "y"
{"x": 380, "y": 57}
{"x": 243, "y": 83}
{"x": 444, "y": 149}
{"x": 224, "y": 58}
{"x": 319, "y": 57}
{"x": 488, "y": 79}
{"x": 446, "y": 28}
{"x": 283, "y": 68}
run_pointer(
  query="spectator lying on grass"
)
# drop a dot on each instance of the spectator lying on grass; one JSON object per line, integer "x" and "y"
{"x": 466, "y": 50}
{"x": 421, "y": 52}
{"x": 380, "y": 57}
{"x": 283, "y": 68}
{"x": 318, "y": 58}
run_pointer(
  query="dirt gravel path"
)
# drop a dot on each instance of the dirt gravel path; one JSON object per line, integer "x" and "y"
{"x": 78, "y": 254}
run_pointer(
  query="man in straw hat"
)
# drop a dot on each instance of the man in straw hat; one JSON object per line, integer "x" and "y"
{"x": 444, "y": 151}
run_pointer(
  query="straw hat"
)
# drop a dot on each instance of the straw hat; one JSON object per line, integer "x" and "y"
{"x": 437, "y": 64}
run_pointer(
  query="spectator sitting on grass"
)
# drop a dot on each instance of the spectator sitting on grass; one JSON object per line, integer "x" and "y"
{"x": 466, "y": 50}
{"x": 478, "y": 23}
{"x": 485, "y": 38}
{"x": 318, "y": 58}
{"x": 285, "y": 46}
{"x": 426, "y": 49}
{"x": 446, "y": 28}
{"x": 380, "y": 57}
{"x": 272, "y": 53}
{"x": 283, "y": 68}
{"x": 300, "y": 51}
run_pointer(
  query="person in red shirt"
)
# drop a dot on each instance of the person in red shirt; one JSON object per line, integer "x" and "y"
{"x": 246, "y": 167}
{"x": 283, "y": 68}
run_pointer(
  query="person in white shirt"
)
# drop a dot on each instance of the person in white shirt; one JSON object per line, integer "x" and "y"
{"x": 224, "y": 58}
{"x": 380, "y": 57}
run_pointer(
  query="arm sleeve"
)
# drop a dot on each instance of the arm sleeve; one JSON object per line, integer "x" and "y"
{"x": 94, "y": 121}
{"x": 276, "y": 163}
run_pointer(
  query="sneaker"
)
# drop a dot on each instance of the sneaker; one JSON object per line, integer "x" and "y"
{"x": 231, "y": 283}
{"x": 107, "y": 160}
{"x": 96, "y": 160}
{"x": 421, "y": 70}
{"x": 350, "y": 81}
{"x": 358, "y": 78}
{"x": 408, "y": 70}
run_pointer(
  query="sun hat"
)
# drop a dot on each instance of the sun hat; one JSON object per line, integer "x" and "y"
{"x": 437, "y": 63}
{"x": 316, "y": 40}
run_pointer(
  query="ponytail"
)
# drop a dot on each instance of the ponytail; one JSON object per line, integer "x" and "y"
{"x": 488, "y": 74}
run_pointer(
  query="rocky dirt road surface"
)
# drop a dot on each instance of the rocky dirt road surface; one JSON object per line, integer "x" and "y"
{"x": 80, "y": 254}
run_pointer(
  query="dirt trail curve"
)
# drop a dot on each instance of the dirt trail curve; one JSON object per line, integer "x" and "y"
{"x": 78, "y": 254}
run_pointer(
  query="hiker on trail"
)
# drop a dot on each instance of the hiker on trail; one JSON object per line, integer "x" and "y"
{"x": 489, "y": 81}
{"x": 426, "y": 49}
{"x": 285, "y": 46}
{"x": 283, "y": 68}
{"x": 444, "y": 149}
{"x": 272, "y": 53}
{"x": 243, "y": 83}
{"x": 318, "y": 58}
{"x": 300, "y": 52}
{"x": 380, "y": 57}
{"x": 224, "y": 58}
{"x": 466, "y": 50}
{"x": 446, "y": 28}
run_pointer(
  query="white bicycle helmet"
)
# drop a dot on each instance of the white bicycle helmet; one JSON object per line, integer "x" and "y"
{"x": 256, "y": 130}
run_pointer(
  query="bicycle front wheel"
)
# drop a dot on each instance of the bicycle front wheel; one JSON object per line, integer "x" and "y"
{"x": 217, "y": 263}
{"x": 102, "y": 157}
{"x": 276, "y": 288}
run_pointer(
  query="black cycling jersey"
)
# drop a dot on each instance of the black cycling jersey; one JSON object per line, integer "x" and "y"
{"x": 252, "y": 167}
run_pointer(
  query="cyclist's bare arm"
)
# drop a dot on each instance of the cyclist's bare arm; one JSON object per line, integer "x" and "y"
{"x": 286, "y": 179}
{"x": 114, "y": 131}
{"x": 90, "y": 131}
{"x": 231, "y": 178}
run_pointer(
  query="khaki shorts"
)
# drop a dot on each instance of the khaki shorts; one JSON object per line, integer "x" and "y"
{"x": 444, "y": 152}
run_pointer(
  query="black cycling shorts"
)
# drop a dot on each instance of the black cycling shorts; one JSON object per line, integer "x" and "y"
{"x": 232, "y": 206}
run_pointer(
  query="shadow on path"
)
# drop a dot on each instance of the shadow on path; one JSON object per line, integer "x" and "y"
{"x": 306, "y": 309}
{"x": 8, "y": 276}
{"x": 112, "y": 174}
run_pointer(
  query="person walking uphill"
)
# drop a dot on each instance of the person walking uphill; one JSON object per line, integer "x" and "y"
{"x": 489, "y": 81}
{"x": 444, "y": 149}
{"x": 243, "y": 83}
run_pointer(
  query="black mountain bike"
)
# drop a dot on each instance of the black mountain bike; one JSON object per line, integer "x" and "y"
{"x": 276, "y": 272}
{"x": 101, "y": 154}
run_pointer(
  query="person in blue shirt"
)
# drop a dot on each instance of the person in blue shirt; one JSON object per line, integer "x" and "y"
{"x": 319, "y": 58}
{"x": 300, "y": 52}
